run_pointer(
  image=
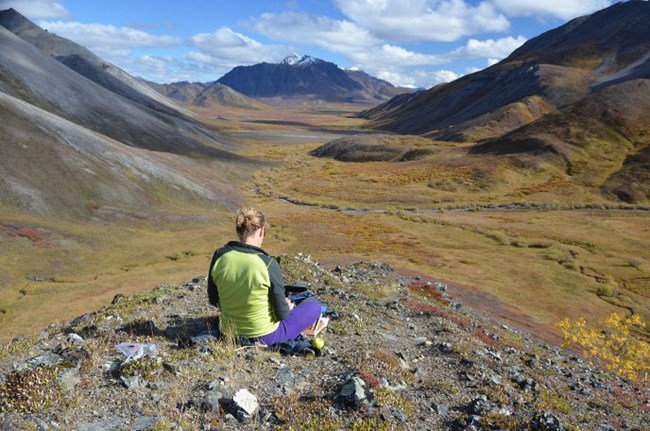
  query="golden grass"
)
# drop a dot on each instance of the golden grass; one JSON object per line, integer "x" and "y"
{"x": 531, "y": 262}
{"x": 84, "y": 265}
{"x": 547, "y": 264}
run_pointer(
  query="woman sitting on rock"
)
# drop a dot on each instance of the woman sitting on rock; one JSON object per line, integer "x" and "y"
{"x": 246, "y": 284}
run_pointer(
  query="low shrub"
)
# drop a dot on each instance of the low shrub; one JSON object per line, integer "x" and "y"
{"x": 611, "y": 342}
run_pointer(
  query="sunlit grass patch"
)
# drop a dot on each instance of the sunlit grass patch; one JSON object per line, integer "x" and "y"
{"x": 380, "y": 364}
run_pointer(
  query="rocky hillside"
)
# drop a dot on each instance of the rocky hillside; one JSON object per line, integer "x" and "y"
{"x": 375, "y": 148}
{"x": 574, "y": 98}
{"x": 551, "y": 71}
{"x": 79, "y": 134}
{"x": 609, "y": 149}
{"x": 205, "y": 95}
{"x": 400, "y": 354}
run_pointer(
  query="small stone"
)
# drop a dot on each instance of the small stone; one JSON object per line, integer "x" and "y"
{"x": 70, "y": 378}
{"x": 353, "y": 392}
{"x": 284, "y": 380}
{"x": 210, "y": 403}
{"x": 399, "y": 415}
{"x": 75, "y": 339}
{"x": 547, "y": 422}
{"x": 495, "y": 355}
{"x": 133, "y": 382}
{"x": 420, "y": 374}
{"x": 47, "y": 359}
{"x": 111, "y": 367}
{"x": 246, "y": 402}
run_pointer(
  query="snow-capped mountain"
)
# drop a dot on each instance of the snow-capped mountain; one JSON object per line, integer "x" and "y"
{"x": 300, "y": 60}
{"x": 304, "y": 76}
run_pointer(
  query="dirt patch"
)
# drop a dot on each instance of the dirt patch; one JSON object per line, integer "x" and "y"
{"x": 39, "y": 237}
{"x": 485, "y": 304}
{"x": 489, "y": 307}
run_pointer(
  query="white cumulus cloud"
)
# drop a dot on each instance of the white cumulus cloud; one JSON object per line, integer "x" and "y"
{"x": 388, "y": 55}
{"x": 428, "y": 79}
{"x": 37, "y": 9}
{"x": 423, "y": 20}
{"x": 226, "y": 47}
{"x": 118, "y": 45}
{"x": 102, "y": 37}
{"x": 310, "y": 29}
{"x": 562, "y": 9}
{"x": 488, "y": 48}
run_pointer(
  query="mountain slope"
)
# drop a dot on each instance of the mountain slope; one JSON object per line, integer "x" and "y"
{"x": 83, "y": 61}
{"x": 374, "y": 87}
{"x": 548, "y": 72}
{"x": 603, "y": 140}
{"x": 206, "y": 95}
{"x": 76, "y": 140}
{"x": 28, "y": 74}
{"x": 307, "y": 77}
{"x": 53, "y": 167}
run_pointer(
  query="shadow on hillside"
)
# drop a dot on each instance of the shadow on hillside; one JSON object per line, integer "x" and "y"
{"x": 183, "y": 331}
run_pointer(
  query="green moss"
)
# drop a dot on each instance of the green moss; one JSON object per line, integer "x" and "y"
{"x": 181, "y": 354}
{"x": 375, "y": 291}
{"x": 317, "y": 424}
{"x": 17, "y": 347}
{"x": 301, "y": 270}
{"x": 300, "y": 414}
{"x": 495, "y": 420}
{"x": 385, "y": 397}
{"x": 548, "y": 401}
{"x": 162, "y": 425}
{"x": 147, "y": 368}
{"x": 373, "y": 424}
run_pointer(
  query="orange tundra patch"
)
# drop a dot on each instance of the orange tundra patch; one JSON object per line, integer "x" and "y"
{"x": 38, "y": 236}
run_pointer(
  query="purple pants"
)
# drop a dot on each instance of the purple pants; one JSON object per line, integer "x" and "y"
{"x": 300, "y": 318}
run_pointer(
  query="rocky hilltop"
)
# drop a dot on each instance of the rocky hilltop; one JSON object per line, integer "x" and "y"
{"x": 400, "y": 353}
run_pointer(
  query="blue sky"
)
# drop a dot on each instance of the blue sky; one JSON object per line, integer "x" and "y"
{"x": 417, "y": 43}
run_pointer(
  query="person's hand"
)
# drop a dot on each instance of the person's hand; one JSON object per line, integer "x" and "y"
{"x": 290, "y": 304}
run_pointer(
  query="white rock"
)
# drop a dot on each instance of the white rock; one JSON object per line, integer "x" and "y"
{"x": 246, "y": 401}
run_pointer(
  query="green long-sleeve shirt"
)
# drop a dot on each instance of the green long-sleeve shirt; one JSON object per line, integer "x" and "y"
{"x": 246, "y": 284}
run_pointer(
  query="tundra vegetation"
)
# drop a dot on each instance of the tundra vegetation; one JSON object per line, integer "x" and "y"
{"x": 513, "y": 235}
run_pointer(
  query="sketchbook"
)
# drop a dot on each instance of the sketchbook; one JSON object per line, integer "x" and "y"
{"x": 317, "y": 327}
